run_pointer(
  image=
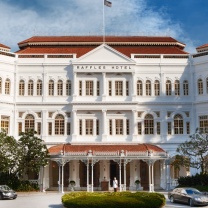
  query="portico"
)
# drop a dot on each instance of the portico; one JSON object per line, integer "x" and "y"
{"x": 89, "y": 165}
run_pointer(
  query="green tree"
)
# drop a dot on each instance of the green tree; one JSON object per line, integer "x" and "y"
{"x": 10, "y": 154}
{"x": 34, "y": 152}
{"x": 196, "y": 150}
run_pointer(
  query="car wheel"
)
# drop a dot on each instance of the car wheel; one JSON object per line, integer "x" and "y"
{"x": 1, "y": 197}
{"x": 191, "y": 203}
{"x": 172, "y": 200}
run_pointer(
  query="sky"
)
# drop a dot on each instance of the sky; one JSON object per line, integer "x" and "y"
{"x": 184, "y": 20}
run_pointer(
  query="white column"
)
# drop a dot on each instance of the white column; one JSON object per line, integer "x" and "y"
{"x": 74, "y": 90}
{"x": 104, "y": 87}
{"x": 133, "y": 87}
{"x": 149, "y": 177}
{"x": 152, "y": 177}
{"x": 104, "y": 130}
{"x": 62, "y": 179}
{"x": 44, "y": 125}
{"x": 59, "y": 182}
{"x": 94, "y": 127}
{"x": 74, "y": 126}
{"x": 87, "y": 175}
{"x": 120, "y": 174}
{"x": 167, "y": 175}
{"x": 92, "y": 176}
{"x": 134, "y": 125}
{"x": 124, "y": 176}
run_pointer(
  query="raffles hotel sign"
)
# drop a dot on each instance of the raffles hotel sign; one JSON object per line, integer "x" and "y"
{"x": 102, "y": 67}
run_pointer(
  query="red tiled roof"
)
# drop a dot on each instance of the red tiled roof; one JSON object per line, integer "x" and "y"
{"x": 4, "y": 46}
{"x": 97, "y": 39}
{"x": 127, "y": 50}
{"x": 102, "y": 148}
{"x": 202, "y": 46}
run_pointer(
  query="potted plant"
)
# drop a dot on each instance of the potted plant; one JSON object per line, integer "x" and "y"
{"x": 72, "y": 184}
{"x": 137, "y": 183}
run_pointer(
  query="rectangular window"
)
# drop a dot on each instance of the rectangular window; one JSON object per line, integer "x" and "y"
{"x": 60, "y": 88}
{"x": 98, "y": 88}
{"x": 19, "y": 128}
{"x": 21, "y": 88}
{"x": 203, "y": 123}
{"x": 30, "y": 88}
{"x": 89, "y": 87}
{"x": 110, "y": 88}
{"x": 127, "y": 88}
{"x": 80, "y": 127}
{"x": 80, "y": 88}
{"x": 89, "y": 126}
{"x": 110, "y": 127}
{"x": 119, "y": 88}
{"x": 119, "y": 127}
{"x": 97, "y": 127}
{"x": 185, "y": 87}
{"x": 68, "y": 87}
{"x": 158, "y": 127}
{"x": 169, "y": 128}
{"x": 188, "y": 127}
{"x": 139, "y": 125}
{"x": 38, "y": 128}
{"x": 39, "y": 88}
{"x": 68, "y": 129}
{"x": 51, "y": 88}
{"x": 127, "y": 127}
{"x": 50, "y": 128}
{"x": 5, "y": 123}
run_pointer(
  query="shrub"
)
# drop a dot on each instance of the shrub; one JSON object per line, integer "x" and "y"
{"x": 198, "y": 179}
{"x": 113, "y": 199}
{"x": 18, "y": 185}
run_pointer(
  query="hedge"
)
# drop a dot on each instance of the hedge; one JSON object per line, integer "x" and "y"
{"x": 113, "y": 199}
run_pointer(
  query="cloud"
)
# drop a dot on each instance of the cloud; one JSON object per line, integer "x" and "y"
{"x": 81, "y": 17}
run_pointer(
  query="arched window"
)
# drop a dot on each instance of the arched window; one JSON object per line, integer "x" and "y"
{"x": 149, "y": 124}
{"x": 7, "y": 87}
{"x": 60, "y": 87}
{"x": 51, "y": 87}
{"x": 148, "y": 88}
{"x": 178, "y": 124}
{"x": 30, "y": 87}
{"x": 39, "y": 87}
{"x": 200, "y": 87}
{"x": 22, "y": 87}
{"x": 29, "y": 122}
{"x": 177, "y": 88}
{"x": 68, "y": 87}
{"x": 0, "y": 85}
{"x": 139, "y": 88}
{"x": 168, "y": 88}
{"x": 185, "y": 87}
{"x": 59, "y": 125}
{"x": 157, "y": 88}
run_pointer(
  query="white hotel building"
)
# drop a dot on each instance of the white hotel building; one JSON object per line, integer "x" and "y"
{"x": 118, "y": 108}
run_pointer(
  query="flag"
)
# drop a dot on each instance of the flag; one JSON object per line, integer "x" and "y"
{"x": 107, "y": 3}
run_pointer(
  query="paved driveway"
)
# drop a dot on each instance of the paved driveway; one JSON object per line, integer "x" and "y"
{"x": 53, "y": 200}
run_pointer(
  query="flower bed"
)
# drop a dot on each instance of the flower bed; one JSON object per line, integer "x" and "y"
{"x": 113, "y": 199}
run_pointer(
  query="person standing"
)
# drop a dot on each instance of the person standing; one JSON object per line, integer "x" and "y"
{"x": 115, "y": 184}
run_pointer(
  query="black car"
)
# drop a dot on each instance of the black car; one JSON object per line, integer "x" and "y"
{"x": 7, "y": 193}
{"x": 189, "y": 196}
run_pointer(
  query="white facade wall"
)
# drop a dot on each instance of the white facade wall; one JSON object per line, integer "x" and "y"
{"x": 103, "y": 65}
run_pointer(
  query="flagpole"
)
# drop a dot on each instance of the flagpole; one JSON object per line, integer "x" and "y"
{"x": 103, "y": 21}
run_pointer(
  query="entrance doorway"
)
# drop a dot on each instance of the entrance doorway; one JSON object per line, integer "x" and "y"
{"x": 144, "y": 174}
{"x": 114, "y": 172}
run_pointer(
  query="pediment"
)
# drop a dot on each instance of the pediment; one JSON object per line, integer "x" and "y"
{"x": 104, "y": 54}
